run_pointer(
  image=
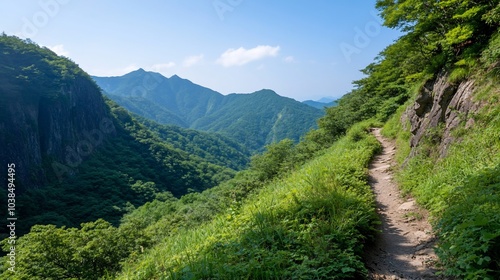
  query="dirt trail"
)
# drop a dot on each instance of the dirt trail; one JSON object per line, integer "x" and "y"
{"x": 404, "y": 248}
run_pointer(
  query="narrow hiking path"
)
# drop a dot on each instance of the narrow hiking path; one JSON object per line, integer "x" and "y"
{"x": 404, "y": 248}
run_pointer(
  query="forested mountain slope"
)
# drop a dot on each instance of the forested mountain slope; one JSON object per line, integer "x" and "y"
{"x": 212, "y": 147}
{"x": 78, "y": 158}
{"x": 254, "y": 120}
{"x": 260, "y": 118}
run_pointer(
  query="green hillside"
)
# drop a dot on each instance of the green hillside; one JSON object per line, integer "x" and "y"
{"x": 253, "y": 120}
{"x": 310, "y": 224}
{"x": 244, "y": 227}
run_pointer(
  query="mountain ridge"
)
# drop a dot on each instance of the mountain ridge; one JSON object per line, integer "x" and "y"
{"x": 181, "y": 102}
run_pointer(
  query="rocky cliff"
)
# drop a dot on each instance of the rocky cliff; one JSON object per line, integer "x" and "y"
{"x": 52, "y": 114}
{"x": 440, "y": 107}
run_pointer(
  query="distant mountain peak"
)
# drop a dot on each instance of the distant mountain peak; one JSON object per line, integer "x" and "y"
{"x": 266, "y": 91}
{"x": 137, "y": 72}
{"x": 326, "y": 100}
{"x": 141, "y": 74}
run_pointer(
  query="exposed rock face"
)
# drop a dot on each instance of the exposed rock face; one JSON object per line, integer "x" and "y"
{"x": 439, "y": 108}
{"x": 43, "y": 133}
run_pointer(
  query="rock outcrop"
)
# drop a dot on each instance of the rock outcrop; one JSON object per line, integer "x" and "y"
{"x": 52, "y": 115}
{"x": 52, "y": 132}
{"x": 440, "y": 107}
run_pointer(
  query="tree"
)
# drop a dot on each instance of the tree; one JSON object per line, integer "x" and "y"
{"x": 449, "y": 26}
{"x": 276, "y": 160}
{"x": 50, "y": 252}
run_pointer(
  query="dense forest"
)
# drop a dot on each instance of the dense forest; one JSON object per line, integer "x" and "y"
{"x": 305, "y": 210}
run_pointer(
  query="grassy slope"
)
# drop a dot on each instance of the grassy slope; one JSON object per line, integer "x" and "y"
{"x": 461, "y": 190}
{"x": 310, "y": 224}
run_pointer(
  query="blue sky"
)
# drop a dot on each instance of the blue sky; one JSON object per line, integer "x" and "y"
{"x": 300, "y": 49}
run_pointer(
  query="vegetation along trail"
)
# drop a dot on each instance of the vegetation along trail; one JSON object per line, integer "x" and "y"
{"x": 403, "y": 249}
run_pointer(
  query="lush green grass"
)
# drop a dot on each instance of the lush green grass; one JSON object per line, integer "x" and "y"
{"x": 311, "y": 224}
{"x": 462, "y": 190}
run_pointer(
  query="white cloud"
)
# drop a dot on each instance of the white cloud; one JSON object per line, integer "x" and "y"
{"x": 59, "y": 50}
{"x": 241, "y": 56}
{"x": 192, "y": 60}
{"x": 289, "y": 59}
{"x": 162, "y": 66}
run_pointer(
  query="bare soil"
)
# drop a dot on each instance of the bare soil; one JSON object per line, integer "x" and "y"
{"x": 405, "y": 247}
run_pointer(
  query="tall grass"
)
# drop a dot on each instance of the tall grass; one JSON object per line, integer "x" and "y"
{"x": 312, "y": 224}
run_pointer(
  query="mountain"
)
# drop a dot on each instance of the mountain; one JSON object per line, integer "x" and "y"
{"x": 183, "y": 99}
{"x": 260, "y": 118}
{"x": 322, "y": 103}
{"x": 254, "y": 120}
{"x": 78, "y": 156}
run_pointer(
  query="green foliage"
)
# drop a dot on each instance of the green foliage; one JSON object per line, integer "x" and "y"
{"x": 491, "y": 55}
{"x": 448, "y": 34}
{"x": 470, "y": 228}
{"x": 125, "y": 169}
{"x": 461, "y": 190}
{"x": 275, "y": 161}
{"x": 462, "y": 70}
{"x": 59, "y": 253}
{"x": 160, "y": 217}
{"x": 35, "y": 68}
{"x": 310, "y": 224}
{"x": 146, "y": 191}
{"x": 142, "y": 227}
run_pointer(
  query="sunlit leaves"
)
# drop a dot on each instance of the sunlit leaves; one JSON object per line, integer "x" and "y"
{"x": 459, "y": 34}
